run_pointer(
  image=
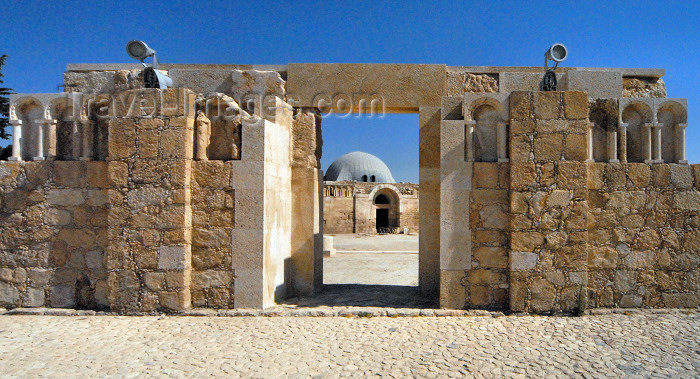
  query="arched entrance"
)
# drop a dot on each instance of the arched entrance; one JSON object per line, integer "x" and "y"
{"x": 386, "y": 211}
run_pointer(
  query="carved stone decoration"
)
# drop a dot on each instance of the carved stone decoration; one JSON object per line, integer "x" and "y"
{"x": 203, "y": 130}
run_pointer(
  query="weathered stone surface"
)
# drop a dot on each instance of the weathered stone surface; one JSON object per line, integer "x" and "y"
{"x": 575, "y": 105}
{"x": 480, "y": 83}
{"x": 34, "y": 297}
{"x": 522, "y": 260}
{"x": 400, "y": 86}
{"x": 639, "y": 175}
{"x": 255, "y": 82}
{"x": 66, "y": 197}
{"x": 687, "y": 200}
{"x": 547, "y": 105}
{"x": 597, "y": 84}
{"x": 492, "y": 257}
{"x": 173, "y": 258}
{"x": 62, "y": 296}
{"x": 643, "y": 87}
{"x": 681, "y": 176}
{"x": 9, "y": 295}
{"x": 307, "y": 140}
{"x": 542, "y": 296}
{"x": 548, "y": 147}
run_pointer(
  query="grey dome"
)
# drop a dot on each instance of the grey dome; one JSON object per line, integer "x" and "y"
{"x": 353, "y": 166}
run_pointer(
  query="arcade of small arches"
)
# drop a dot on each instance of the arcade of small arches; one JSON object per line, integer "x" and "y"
{"x": 67, "y": 127}
{"x": 634, "y": 130}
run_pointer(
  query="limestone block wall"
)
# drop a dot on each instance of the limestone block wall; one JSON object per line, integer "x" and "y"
{"x": 338, "y": 214}
{"x": 410, "y": 213}
{"x": 349, "y": 206}
{"x": 213, "y": 216}
{"x": 644, "y": 235}
{"x": 53, "y": 234}
{"x": 262, "y": 228}
{"x": 487, "y": 281}
{"x": 550, "y": 229}
{"x": 549, "y": 204}
{"x": 150, "y": 229}
{"x": 307, "y": 204}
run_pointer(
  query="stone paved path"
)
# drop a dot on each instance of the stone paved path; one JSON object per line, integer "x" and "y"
{"x": 644, "y": 344}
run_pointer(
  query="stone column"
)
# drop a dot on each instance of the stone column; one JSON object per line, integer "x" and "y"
{"x": 502, "y": 141}
{"x": 16, "y": 140}
{"x": 647, "y": 143}
{"x": 88, "y": 126}
{"x": 470, "y": 140}
{"x": 681, "y": 143}
{"x": 40, "y": 143}
{"x": 77, "y": 152}
{"x": 50, "y": 127}
{"x": 612, "y": 147}
{"x": 589, "y": 143}
{"x": 203, "y": 130}
{"x": 657, "y": 143}
{"x": 623, "y": 142}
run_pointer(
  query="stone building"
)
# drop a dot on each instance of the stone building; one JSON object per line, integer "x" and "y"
{"x": 361, "y": 196}
{"x": 209, "y": 194}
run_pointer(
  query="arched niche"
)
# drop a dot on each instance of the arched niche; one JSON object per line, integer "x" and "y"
{"x": 669, "y": 115}
{"x": 95, "y": 129}
{"x": 62, "y": 110}
{"x": 603, "y": 114}
{"x": 30, "y": 111}
{"x": 226, "y": 127}
{"x": 485, "y": 140}
{"x": 635, "y": 115}
{"x": 387, "y": 210}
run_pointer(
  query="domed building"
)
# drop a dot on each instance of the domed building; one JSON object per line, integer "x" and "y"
{"x": 361, "y": 196}
{"x": 359, "y": 166}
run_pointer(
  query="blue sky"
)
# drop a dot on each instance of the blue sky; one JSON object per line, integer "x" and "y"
{"x": 42, "y": 37}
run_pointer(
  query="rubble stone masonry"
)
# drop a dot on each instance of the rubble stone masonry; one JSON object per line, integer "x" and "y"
{"x": 532, "y": 201}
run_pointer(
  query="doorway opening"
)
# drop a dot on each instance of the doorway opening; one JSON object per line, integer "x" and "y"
{"x": 371, "y": 209}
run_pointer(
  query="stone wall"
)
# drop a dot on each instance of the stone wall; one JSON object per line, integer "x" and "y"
{"x": 213, "y": 216}
{"x": 348, "y": 207}
{"x": 553, "y": 231}
{"x": 644, "y": 238}
{"x": 144, "y": 227}
{"x": 338, "y": 214}
{"x": 54, "y": 219}
{"x": 487, "y": 281}
{"x": 549, "y": 206}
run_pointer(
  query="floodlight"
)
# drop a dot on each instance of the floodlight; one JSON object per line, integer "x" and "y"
{"x": 140, "y": 51}
{"x": 152, "y": 78}
{"x": 557, "y": 53}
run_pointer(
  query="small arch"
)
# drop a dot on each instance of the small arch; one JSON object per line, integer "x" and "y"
{"x": 485, "y": 140}
{"x": 635, "y": 115}
{"x": 486, "y": 100}
{"x": 382, "y": 199}
{"x": 96, "y": 128}
{"x": 62, "y": 110}
{"x": 373, "y": 178}
{"x": 226, "y": 127}
{"x": 364, "y": 178}
{"x": 387, "y": 212}
{"x": 669, "y": 115}
{"x": 603, "y": 114}
{"x": 31, "y": 112}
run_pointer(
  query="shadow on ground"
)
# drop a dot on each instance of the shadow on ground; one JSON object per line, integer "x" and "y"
{"x": 364, "y": 295}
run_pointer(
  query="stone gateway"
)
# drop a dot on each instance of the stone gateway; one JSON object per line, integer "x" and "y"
{"x": 210, "y": 194}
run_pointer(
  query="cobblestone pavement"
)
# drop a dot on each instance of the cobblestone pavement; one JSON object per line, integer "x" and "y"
{"x": 642, "y": 344}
